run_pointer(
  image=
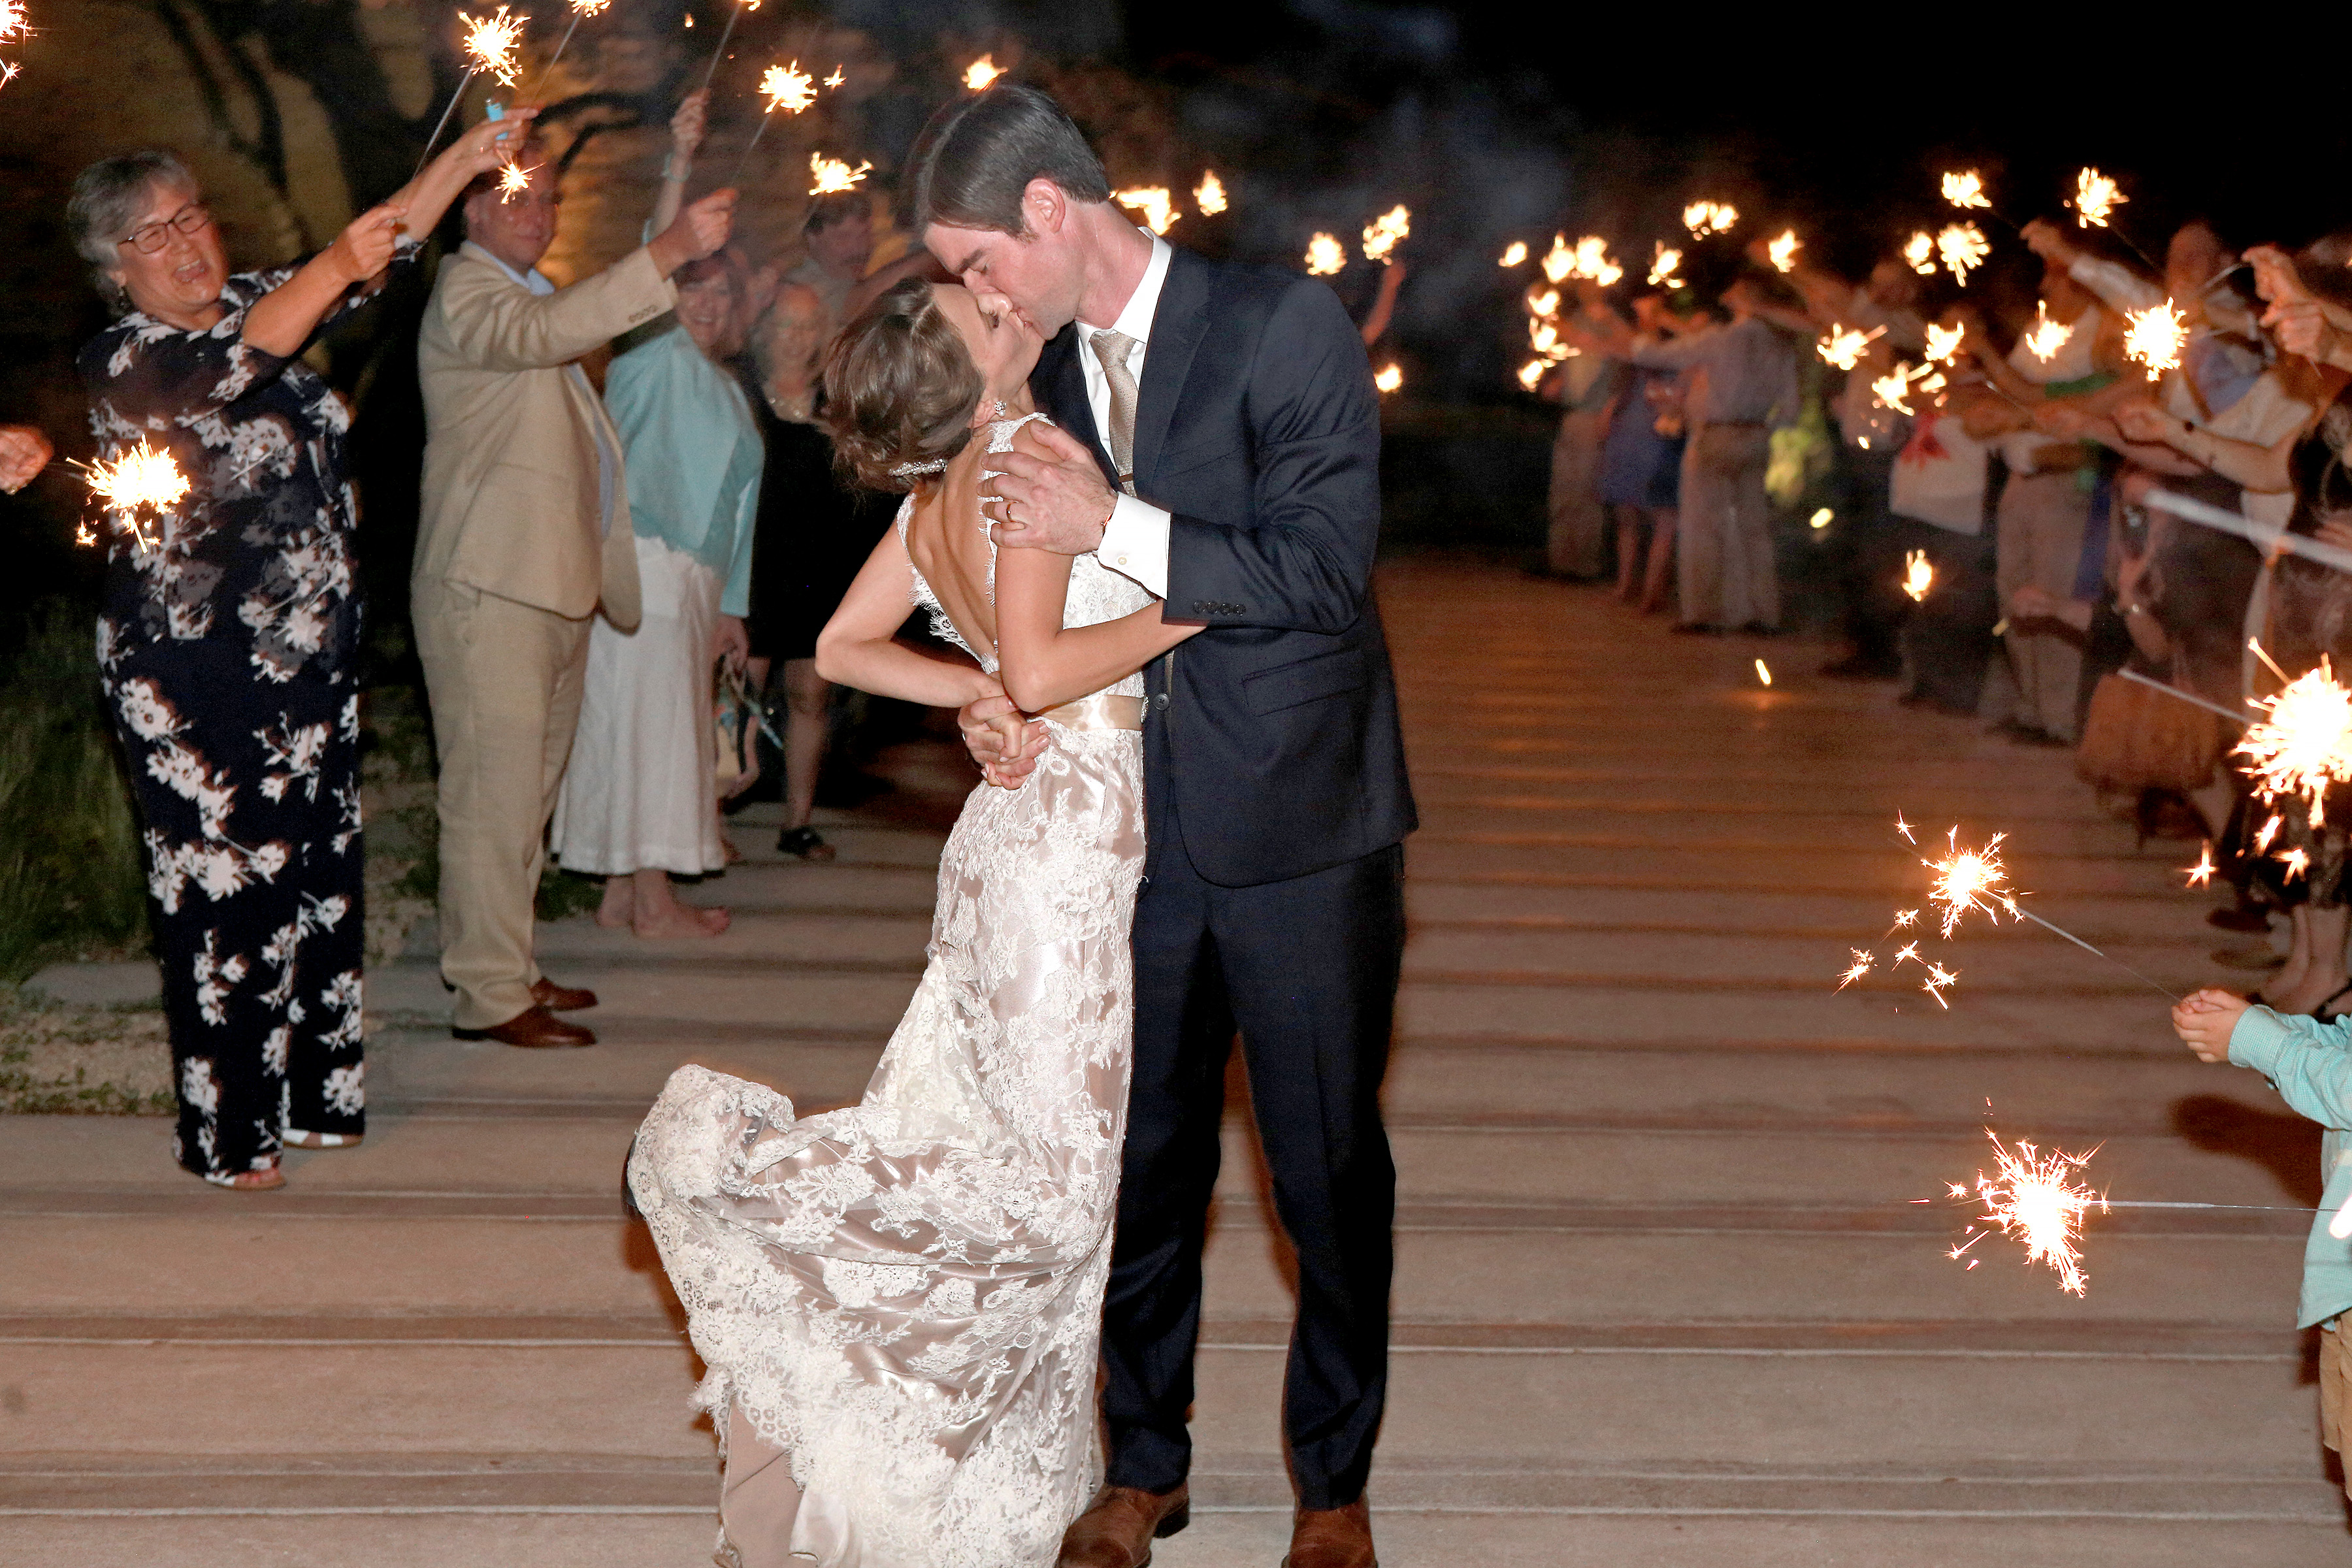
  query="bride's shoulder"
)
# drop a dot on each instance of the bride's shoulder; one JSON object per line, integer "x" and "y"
{"x": 1018, "y": 435}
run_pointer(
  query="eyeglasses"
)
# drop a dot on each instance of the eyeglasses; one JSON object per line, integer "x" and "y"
{"x": 149, "y": 237}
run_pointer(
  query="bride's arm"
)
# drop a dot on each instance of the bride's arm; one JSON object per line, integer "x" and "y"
{"x": 1044, "y": 663}
{"x": 859, "y": 646}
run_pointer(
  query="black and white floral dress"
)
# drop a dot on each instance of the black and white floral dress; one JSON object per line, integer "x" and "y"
{"x": 228, "y": 641}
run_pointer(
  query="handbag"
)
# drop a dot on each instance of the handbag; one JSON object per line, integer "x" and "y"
{"x": 2138, "y": 738}
{"x": 736, "y": 719}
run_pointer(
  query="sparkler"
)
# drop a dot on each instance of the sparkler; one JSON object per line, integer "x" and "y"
{"x": 15, "y": 26}
{"x": 1783, "y": 251}
{"x": 1592, "y": 261}
{"x": 579, "y": 8}
{"x": 142, "y": 477}
{"x": 2095, "y": 198}
{"x": 490, "y": 43}
{"x": 1943, "y": 342}
{"x": 2302, "y": 743}
{"x": 840, "y": 74}
{"x": 787, "y": 88}
{"x": 1560, "y": 260}
{"x": 1966, "y": 190}
{"x": 1380, "y": 235}
{"x": 2046, "y": 337}
{"x": 1763, "y": 672}
{"x": 2296, "y": 860}
{"x": 734, "y": 16}
{"x": 1208, "y": 195}
{"x": 1857, "y": 969}
{"x": 1937, "y": 978}
{"x": 1155, "y": 204}
{"x": 2202, "y": 872}
{"x": 1892, "y": 389}
{"x": 1918, "y": 576}
{"x": 1967, "y": 880}
{"x": 1391, "y": 377}
{"x": 1544, "y": 304}
{"x": 983, "y": 71}
{"x": 1664, "y": 264}
{"x": 1844, "y": 346}
{"x": 1325, "y": 256}
{"x": 1531, "y": 374}
{"x": 1963, "y": 248}
{"x": 833, "y": 175}
{"x": 1904, "y": 828}
{"x": 513, "y": 181}
{"x": 1910, "y": 950}
{"x": 1705, "y": 218}
{"x": 2268, "y": 831}
{"x": 2035, "y": 1198}
{"x": 1919, "y": 253}
{"x": 1516, "y": 255}
{"x": 2154, "y": 337}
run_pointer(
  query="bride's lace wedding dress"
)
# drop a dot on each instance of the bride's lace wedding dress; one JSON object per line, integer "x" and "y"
{"x": 899, "y": 1303}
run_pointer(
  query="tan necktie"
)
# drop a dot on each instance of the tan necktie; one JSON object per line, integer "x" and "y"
{"x": 1110, "y": 349}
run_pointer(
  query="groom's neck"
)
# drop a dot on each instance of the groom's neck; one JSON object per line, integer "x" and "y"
{"x": 1114, "y": 254}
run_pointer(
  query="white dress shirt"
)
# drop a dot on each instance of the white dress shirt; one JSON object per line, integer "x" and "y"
{"x": 1135, "y": 541}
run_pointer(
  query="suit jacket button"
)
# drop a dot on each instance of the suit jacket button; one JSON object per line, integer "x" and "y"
{"x": 1202, "y": 607}
{"x": 1160, "y": 700}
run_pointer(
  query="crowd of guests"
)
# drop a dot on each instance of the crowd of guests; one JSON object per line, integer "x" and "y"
{"x": 627, "y": 502}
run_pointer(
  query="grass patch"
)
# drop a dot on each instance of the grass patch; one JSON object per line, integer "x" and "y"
{"x": 61, "y": 1059}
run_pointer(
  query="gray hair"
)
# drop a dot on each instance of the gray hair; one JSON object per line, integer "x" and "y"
{"x": 979, "y": 154}
{"x": 107, "y": 196}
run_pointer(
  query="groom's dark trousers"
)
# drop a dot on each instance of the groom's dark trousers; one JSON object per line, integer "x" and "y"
{"x": 1276, "y": 805}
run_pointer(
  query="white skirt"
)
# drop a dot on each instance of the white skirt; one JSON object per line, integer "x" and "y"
{"x": 640, "y": 792}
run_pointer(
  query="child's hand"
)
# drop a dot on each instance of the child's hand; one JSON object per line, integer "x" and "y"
{"x": 2204, "y": 1020}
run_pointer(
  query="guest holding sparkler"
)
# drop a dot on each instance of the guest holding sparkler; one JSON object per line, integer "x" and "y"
{"x": 638, "y": 803}
{"x": 1942, "y": 480}
{"x": 1585, "y": 386}
{"x": 228, "y": 640}
{"x": 525, "y": 531}
{"x": 1641, "y": 461}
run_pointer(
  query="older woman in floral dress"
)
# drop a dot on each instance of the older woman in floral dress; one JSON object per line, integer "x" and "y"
{"x": 229, "y": 638}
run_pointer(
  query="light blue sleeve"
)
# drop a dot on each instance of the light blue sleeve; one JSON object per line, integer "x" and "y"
{"x": 737, "y": 598}
{"x": 2308, "y": 1062}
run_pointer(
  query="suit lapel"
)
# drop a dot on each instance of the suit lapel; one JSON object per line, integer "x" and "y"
{"x": 1178, "y": 325}
{"x": 1059, "y": 385}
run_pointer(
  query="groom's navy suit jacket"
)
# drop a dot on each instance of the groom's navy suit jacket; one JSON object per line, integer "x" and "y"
{"x": 1271, "y": 743}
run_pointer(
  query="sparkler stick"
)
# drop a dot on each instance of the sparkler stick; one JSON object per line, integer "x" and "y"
{"x": 579, "y": 8}
{"x": 734, "y": 14}
{"x": 2172, "y": 690}
{"x": 2226, "y": 521}
{"x": 2086, "y": 947}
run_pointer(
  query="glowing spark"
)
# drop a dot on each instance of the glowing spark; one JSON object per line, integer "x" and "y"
{"x": 1857, "y": 969}
{"x": 981, "y": 72}
{"x": 1783, "y": 251}
{"x": 1963, "y": 248}
{"x": 1910, "y": 950}
{"x": 1891, "y": 389}
{"x": 2268, "y": 831}
{"x": 1943, "y": 343}
{"x": 1380, "y": 235}
{"x": 1844, "y": 346}
{"x": 1560, "y": 260}
{"x": 1325, "y": 256}
{"x": 8, "y": 69}
{"x": 1592, "y": 261}
{"x": 2034, "y": 1198}
{"x": 1208, "y": 195}
{"x": 1904, "y": 828}
{"x": 2296, "y": 860}
{"x": 1919, "y": 253}
{"x": 1544, "y": 338}
{"x": 2202, "y": 872}
{"x": 2303, "y": 743}
{"x": 787, "y": 88}
{"x": 2154, "y": 337}
{"x": 1664, "y": 264}
{"x": 1763, "y": 672}
{"x": 1704, "y": 218}
{"x": 15, "y": 26}
{"x": 1965, "y": 879}
{"x": 1937, "y": 978}
{"x": 2045, "y": 337}
{"x": 1531, "y": 374}
{"x": 1544, "y": 304}
{"x": 833, "y": 174}
{"x": 145, "y": 477}
{"x": 1391, "y": 377}
{"x": 1156, "y": 205}
{"x": 514, "y": 181}
{"x": 840, "y": 75}
{"x": 589, "y": 8}
{"x": 1904, "y": 917}
{"x": 491, "y": 41}
{"x": 1516, "y": 256}
{"x": 1821, "y": 519}
{"x": 1966, "y": 190}
{"x": 1918, "y": 575}
{"x": 2095, "y": 198}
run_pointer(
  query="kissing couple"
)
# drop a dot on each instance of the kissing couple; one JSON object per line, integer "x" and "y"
{"x": 953, "y": 1325}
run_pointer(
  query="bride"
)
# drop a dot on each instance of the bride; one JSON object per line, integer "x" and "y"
{"x": 899, "y": 1302}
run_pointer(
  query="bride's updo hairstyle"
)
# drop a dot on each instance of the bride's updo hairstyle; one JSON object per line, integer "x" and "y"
{"x": 899, "y": 389}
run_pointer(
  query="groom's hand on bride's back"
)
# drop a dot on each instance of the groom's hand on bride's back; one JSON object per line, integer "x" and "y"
{"x": 1000, "y": 740}
{"x": 1051, "y": 495}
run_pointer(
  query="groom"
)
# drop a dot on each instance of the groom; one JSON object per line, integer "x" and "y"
{"x": 1219, "y": 443}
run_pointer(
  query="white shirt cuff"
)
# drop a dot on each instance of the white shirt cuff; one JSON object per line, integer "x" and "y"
{"x": 1135, "y": 543}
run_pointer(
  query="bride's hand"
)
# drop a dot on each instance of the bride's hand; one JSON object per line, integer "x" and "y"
{"x": 1000, "y": 740}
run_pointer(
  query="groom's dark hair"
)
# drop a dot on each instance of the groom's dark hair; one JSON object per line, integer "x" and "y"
{"x": 978, "y": 155}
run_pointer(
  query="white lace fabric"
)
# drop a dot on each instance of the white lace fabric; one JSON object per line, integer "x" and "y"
{"x": 904, "y": 1297}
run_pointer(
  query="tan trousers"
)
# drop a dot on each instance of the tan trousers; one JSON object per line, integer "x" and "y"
{"x": 1575, "y": 542}
{"x": 1725, "y": 566}
{"x": 2333, "y": 1355}
{"x": 504, "y": 683}
{"x": 2040, "y": 541}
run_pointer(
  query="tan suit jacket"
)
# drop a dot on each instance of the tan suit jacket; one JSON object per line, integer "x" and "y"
{"x": 511, "y": 501}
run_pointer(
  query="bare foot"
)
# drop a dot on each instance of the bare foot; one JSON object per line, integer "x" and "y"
{"x": 619, "y": 907}
{"x": 681, "y": 920}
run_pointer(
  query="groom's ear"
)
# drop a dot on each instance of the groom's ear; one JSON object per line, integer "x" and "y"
{"x": 1044, "y": 207}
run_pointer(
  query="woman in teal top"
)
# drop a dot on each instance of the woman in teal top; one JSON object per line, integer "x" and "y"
{"x": 639, "y": 801}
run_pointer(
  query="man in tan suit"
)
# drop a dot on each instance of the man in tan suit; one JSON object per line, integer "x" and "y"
{"x": 524, "y": 533}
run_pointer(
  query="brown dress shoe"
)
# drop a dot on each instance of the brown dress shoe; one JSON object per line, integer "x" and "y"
{"x": 560, "y": 999}
{"x": 1332, "y": 1538}
{"x": 1118, "y": 1527}
{"x": 534, "y": 1029}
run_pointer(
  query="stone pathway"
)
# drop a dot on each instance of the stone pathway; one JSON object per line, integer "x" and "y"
{"x": 1661, "y": 1296}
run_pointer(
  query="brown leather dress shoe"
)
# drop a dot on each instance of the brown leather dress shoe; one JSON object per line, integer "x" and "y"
{"x": 560, "y": 999}
{"x": 534, "y": 1029}
{"x": 1332, "y": 1538}
{"x": 1118, "y": 1527}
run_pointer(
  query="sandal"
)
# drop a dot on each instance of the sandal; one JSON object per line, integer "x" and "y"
{"x": 262, "y": 1179}
{"x": 294, "y": 1140}
{"x": 805, "y": 843}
